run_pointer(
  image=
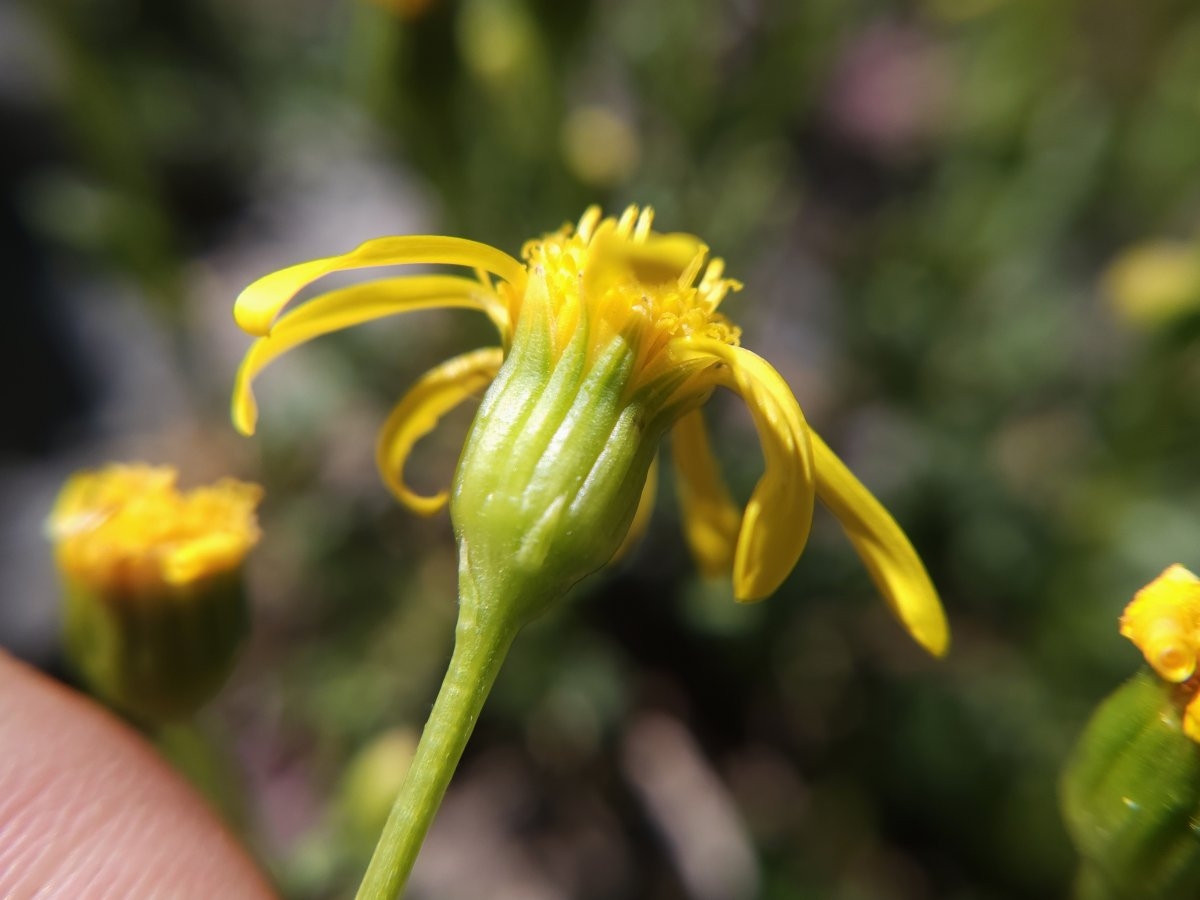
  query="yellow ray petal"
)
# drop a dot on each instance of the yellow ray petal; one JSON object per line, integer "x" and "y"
{"x": 710, "y": 517}
{"x": 641, "y": 516}
{"x": 778, "y": 517}
{"x": 885, "y": 550}
{"x": 341, "y": 309}
{"x": 418, "y": 412}
{"x": 258, "y": 305}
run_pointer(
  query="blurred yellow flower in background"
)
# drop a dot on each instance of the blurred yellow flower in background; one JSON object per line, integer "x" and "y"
{"x": 153, "y": 606}
{"x": 128, "y": 528}
{"x": 1153, "y": 283}
{"x": 1163, "y": 621}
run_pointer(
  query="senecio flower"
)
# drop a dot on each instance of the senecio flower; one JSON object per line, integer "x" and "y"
{"x": 1163, "y": 621}
{"x": 609, "y": 336}
{"x": 153, "y": 608}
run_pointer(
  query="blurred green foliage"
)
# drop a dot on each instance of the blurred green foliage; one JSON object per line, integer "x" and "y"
{"x": 923, "y": 199}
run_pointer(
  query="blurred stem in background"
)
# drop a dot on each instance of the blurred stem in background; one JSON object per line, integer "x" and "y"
{"x": 203, "y": 756}
{"x": 126, "y": 214}
{"x": 155, "y": 114}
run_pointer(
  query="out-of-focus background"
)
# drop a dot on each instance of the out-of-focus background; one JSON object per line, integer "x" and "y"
{"x": 968, "y": 233}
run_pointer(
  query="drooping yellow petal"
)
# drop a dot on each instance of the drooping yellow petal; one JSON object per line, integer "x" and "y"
{"x": 710, "y": 517}
{"x": 437, "y": 392}
{"x": 885, "y": 550}
{"x": 258, "y": 305}
{"x": 641, "y": 516}
{"x": 777, "y": 519}
{"x": 341, "y": 309}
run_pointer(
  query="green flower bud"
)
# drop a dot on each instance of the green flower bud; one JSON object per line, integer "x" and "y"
{"x": 154, "y": 611}
{"x": 554, "y": 467}
{"x": 1131, "y": 796}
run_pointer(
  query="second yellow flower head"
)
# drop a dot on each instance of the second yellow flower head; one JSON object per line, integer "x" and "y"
{"x": 153, "y": 608}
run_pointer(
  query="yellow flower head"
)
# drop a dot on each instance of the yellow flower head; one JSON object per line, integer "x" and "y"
{"x": 126, "y": 530}
{"x": 1154, "y": 283}
{"x": 153, "y": 610}
{"x": 1163, "y": 621}
{"x": 609, "y": 337}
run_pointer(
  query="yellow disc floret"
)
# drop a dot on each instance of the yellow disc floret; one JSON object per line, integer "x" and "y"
{"x": 128, "y": 529}
{"x": 619, "y": 278}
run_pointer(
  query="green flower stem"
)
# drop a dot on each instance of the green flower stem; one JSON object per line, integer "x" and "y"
{"x": 480, "y": 645}
{"x": 200, "y": 759}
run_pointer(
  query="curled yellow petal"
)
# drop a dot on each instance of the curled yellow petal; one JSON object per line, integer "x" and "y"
{"x": 258, "y": 305}
{"x": 341, "y": 309}
{"x": 776, "y": 522}
{"x": 710, "y": 517}
{"x": 641, "y": 516}
{"x": 418, "y": 412}
{"x": 885, "y": 550}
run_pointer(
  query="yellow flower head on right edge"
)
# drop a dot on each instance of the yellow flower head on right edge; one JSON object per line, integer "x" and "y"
{"x": 608, "y": 339}
{"x": 1163, "y": 621}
